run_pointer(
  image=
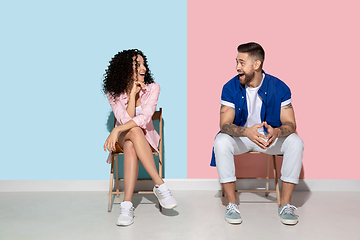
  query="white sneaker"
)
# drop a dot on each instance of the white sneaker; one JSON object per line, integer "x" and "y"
{"x": 164, "y": 196}
{"x": 126, "y": 216}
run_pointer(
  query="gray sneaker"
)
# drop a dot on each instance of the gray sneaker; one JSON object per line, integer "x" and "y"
{"x": 287, "y": 215}
{"x": 232, "y": 214}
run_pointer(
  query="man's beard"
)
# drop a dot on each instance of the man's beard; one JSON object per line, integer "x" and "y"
{"x": 248, "y": 78}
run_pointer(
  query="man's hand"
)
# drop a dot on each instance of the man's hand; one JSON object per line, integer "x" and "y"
{"x": 227, "y": 116}
{"x": 274, "y": 133}
{"x": 255, "y": 136}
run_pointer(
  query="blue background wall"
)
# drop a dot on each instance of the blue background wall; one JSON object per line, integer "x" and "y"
{"x": 53, "y": 55}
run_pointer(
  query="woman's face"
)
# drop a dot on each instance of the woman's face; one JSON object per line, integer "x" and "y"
{"x": 139, "y": 68}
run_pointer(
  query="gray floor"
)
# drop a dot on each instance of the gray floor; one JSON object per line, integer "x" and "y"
{"x": 200, "y": 215}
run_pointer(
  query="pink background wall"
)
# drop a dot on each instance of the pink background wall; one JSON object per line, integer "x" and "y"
{"x": 313, "y": 46}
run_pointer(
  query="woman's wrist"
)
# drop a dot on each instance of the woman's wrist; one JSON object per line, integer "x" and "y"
{"x": 117, "y": 130}
{"x": 132, "y": 96}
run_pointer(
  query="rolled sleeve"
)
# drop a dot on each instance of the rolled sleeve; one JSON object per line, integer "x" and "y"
{"x": 227, "y": 98}
{"x": 286, "y": 95}
{"x": 227, "y": 104}
{"x": 119, "y": 109}
{"x": 286, "y": 102}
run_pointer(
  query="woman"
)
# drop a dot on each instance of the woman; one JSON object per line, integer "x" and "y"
{"x": 133, "y": 96}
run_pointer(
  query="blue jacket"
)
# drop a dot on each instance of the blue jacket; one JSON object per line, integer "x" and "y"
{"x": 272, "y": 92}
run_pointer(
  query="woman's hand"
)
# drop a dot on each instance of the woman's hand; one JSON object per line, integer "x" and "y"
{"x": 137, "y": 86}
{"x": 111, "y": 140}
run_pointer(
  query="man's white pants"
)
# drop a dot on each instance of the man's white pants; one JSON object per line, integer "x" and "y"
{"x": 291, "y": 147}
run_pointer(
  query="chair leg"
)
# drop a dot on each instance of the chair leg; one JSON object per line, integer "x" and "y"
{"x": 267, "y": 175}
{"x": 276, "y": 182}
{"x": 116, "y": 163}
{"x": 111, "y": 185}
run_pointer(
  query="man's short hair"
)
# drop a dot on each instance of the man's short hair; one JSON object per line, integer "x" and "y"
{"x": 254, "y": 50}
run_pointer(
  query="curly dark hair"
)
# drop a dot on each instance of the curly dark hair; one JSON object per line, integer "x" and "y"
{"x": 118, "y": 76}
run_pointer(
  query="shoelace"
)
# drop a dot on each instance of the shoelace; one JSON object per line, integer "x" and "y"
{"x": 126, "y": 211}
{"x": 232, "y": 208}
{"x": 288, "y": 209}
{"x": 165, "y": 193}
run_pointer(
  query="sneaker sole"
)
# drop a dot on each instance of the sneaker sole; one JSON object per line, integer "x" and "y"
{"x": 164, "y": 206}
{"x": 289, "y": 221}
{"x": 124, "y": 223}
{"x": 233, "y": 221}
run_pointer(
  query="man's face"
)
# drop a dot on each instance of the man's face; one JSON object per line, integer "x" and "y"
{"x": 245, "y": 68}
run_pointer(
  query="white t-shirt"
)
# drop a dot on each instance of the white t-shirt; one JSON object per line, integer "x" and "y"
{"x": 138, "y": 110}
{"x": 254, "y": 104}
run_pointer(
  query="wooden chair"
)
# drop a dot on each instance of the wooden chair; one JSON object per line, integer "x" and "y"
{"x": 115, "y": 180}
{"x": 266, "y": 191}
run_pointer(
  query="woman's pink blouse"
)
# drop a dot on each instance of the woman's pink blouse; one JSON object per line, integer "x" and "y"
{"x": 148, "y": 99}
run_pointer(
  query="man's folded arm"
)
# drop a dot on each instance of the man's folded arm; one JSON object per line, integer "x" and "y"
{"x": 227, "y": 116}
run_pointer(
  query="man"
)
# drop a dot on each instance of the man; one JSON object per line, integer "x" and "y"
{"x": 256, "y": 114}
